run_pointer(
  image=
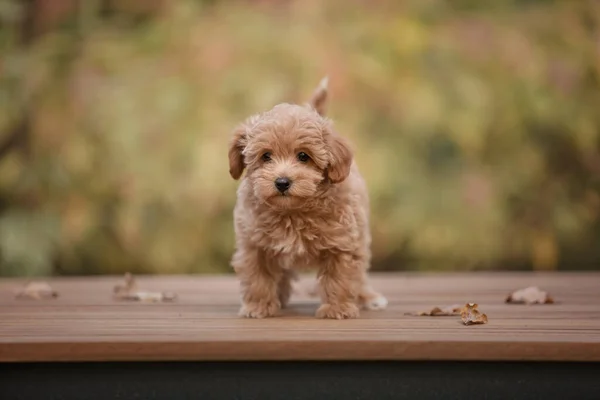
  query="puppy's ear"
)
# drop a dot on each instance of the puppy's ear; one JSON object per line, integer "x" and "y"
{"x": 341, "y": 158}
{"x": 318, "y": 101}
{"x": 236, "y": 147}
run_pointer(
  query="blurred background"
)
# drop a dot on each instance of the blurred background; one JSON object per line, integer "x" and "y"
{"x": 476, "y": 126}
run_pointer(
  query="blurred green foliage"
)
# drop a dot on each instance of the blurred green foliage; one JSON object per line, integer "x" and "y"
{"x": 476, "y": 125}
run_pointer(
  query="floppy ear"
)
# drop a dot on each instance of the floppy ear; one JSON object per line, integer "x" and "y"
{"x": 340, "y": 158}
{"x": 236, "y": 147}
{"x": 318, "y": 100}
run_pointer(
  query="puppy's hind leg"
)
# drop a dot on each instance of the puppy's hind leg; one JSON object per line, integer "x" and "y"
{"x": 368, "y": 298}
{"x": 285, "y": 287}
{"x": 372, "y": 300}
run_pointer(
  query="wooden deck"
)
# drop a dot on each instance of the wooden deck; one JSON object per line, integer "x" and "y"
{"x": 85, "y": 324}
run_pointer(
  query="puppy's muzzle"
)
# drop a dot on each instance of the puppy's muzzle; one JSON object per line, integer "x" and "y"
{"x": 282, "y": 184}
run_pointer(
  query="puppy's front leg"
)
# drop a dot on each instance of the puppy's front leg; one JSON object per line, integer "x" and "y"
{"x": 258, "y": 281}
{"x": 339, "y": 283}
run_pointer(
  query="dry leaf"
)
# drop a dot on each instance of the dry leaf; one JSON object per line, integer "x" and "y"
{"x": 530, "y": 295}
{"x": 153, "y": 297}
{"x": 37, "y": 291}
{"x": 129, "y": 291}
{"x": 470, "y": 315}
{"x": 438, "y": 312}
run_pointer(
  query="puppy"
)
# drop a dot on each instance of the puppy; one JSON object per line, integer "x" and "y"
{"x": 302, "y": 203}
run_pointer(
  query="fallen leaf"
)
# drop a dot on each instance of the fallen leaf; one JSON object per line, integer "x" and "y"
{"x": 37, "y": 291}
{"x": 529, "y": 295}
{"x": 454, "y": 309}
{"x": 153, "y": 297}
{"x": 470, "y": 315}
{"x": 129, "y": 291}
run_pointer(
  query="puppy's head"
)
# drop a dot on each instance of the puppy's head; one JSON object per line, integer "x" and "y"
{"x": 290, "y": 152}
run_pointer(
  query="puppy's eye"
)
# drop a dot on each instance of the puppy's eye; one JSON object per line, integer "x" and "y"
{"x": 303, "y": 157}
{"x": 266, "y": 157}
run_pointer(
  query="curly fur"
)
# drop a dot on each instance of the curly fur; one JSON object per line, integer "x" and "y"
{"x": 321, "y": 222}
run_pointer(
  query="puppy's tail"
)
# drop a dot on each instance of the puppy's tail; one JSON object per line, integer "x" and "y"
{"x": 318, "y": 101}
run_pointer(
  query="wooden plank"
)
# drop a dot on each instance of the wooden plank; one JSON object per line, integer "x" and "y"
{"x": 85, "y": 324}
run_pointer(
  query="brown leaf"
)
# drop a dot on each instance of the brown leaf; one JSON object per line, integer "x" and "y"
{"x": 153, "y": 297}
{"x": 470, "y": 315}
{"x": 454, "y": 309}
{"x": 129, "y": 291}
{"x": 529, "y": 295}
{"x": 37, "y": 291}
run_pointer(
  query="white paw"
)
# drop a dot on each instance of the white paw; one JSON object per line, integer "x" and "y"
{"x": 376, "y": 303}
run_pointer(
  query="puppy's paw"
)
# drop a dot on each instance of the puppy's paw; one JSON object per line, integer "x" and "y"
{"x": 374, "y": 302}
{"x": 284, "y": 299}
{"x": 338, "y": 311}
{"x": 262, "y": 309}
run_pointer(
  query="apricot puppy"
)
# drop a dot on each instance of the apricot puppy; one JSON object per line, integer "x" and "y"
{"x": 302, "y": 203}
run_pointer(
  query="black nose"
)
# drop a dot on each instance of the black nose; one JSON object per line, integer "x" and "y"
{"x": 282, "y": 184}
